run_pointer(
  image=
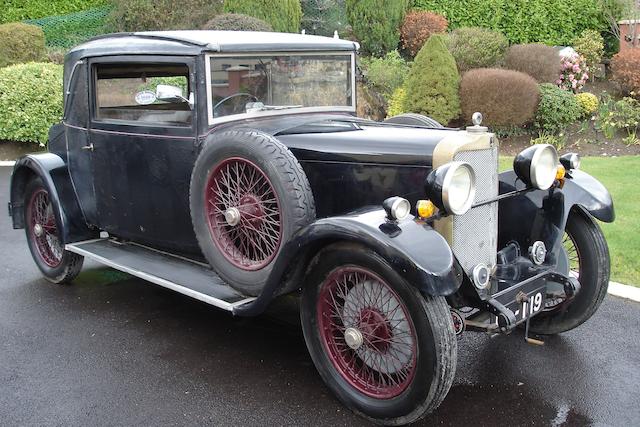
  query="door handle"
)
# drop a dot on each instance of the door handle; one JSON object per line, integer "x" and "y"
{"x": 88, "y": 147}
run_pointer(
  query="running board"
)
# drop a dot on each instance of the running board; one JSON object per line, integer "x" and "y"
{"x": 179, "y": 274}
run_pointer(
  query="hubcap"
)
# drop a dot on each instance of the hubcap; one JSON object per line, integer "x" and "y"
{"x": 37, "y": 230}
{"x": 353, "y": 337}
{"x": 232, "y": 216}
{"x": 367, "y": 333}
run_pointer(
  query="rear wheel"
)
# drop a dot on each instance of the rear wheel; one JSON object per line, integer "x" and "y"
{"x": 386, "y": 351}
{"x": 44, "y": 238}
{"x": 587, "y": 257}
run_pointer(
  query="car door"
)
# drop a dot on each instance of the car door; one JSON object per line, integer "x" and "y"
{"x": 143, "y": 149}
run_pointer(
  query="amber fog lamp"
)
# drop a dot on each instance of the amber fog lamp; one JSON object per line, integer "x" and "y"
{"x": 425, "y": 208}
{"x": 397, "y": 208}
{"x": 537, "y": 165}
{"x": 452, "y": 187}
{"x": 570, "y": 161}
{"x": 560, "y": 172}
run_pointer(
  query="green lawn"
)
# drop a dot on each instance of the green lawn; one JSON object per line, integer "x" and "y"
{"x": 621, "y": 175}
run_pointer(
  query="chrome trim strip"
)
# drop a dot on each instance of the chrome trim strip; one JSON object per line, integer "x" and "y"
{"x": 72, "y": 247}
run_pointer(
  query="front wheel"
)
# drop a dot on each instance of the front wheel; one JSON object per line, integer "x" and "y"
{"x": 387, "y": 352}
{"x": 588, "y": 259}
{"x": 44, "y": 239}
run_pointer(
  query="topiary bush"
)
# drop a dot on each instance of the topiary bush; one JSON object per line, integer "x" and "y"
{"x": 557, "y": 109}
{"x": 590, "y": 45}
{"x": 588, "y": 103}
{"x": 505, "y": 98}
{"x": 30, "y": 101}
{"x": 433, "y": 82}
{"x": 625, "y": 68}
{"x": 418, "y": 26}
{"x": 375, "y": 23}
{"x": 21, "y": 43}
{"x": 386, "y": 74}
{"x": 236, "y": 22}
{"x": 282, "y": 15}
{"x": 145, "y": 15}
{"x": 537, "y": 60}
{"x": 477, "y": 48}
{"x": 552, "y": 22}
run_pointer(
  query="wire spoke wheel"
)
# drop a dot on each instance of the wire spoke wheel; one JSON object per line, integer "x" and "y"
{"x": 553, "y": 302}
{"x": 243, "y": 213}
{"x": 367, "y": 332}
{"x": 43, "y": 230}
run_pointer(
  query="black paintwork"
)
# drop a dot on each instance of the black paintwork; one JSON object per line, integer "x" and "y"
{"x": 135, "y": 181}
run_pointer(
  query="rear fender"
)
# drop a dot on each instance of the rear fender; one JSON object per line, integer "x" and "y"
{"x": 52, "y": 170}
{"x": 413, "y": 249}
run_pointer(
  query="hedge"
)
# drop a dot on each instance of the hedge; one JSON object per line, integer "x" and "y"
{"x": 30, "y": 101}
{"x": 553, "y": 22}
{"x": 282, "y": 15}
{"x": 21, "y": 43}
{"x": 13, "y": 10}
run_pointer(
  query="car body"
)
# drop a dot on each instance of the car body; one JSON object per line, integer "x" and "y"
{"x": 124, "y": 167}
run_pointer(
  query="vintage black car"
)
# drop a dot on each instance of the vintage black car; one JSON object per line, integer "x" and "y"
{"x": 231, "y": 167}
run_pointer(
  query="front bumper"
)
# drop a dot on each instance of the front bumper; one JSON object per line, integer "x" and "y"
{"x": 519, "y": 302}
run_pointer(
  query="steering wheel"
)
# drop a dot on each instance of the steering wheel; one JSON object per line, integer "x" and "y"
{"x": 230, "y": 97}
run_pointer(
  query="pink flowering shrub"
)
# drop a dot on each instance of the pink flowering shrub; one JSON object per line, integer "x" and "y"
{"x": 573, "y": 73}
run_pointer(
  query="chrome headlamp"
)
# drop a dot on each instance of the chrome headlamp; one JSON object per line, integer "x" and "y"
{"x": 537, "y": 165}
{"x": 397, "y": 208}
{"x": 452, "y": 187}
{"x": 570, "y": 161}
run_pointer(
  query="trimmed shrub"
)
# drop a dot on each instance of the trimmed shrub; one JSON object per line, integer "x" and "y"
{"x": 21, "y": 43}
{"x": 30, "y": 101}
{"x": 477, "y": 48}
{"x": 375, "y": 23}
{"x": 12, "y": 11}
{"x": 397, "y": 102}
{"x": 625, "y": 68}
{"x": 590, "y": 45}
{"x": 552, "y": 22}
{"x": 557, "y": 109}
{"x": 588, "y": 103}
{"x": 539, "y": 61}
{"x": 145, "y": 15}
{"x": 236, "y": 22}
{"x": 418, "y": 26}
{"x": 282, "y": 15}
{"x": 433, "y": 82}
{"x": 386, "y": 74}
{"x": 505, "y": 98}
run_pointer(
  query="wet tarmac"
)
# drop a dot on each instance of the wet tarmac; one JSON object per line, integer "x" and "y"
{"x": 114, "y": 350}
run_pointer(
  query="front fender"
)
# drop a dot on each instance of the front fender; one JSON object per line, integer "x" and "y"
{"x": 52, "y": 170}
{"x": 413, "y": 249}
{"x": 542, "y": 215}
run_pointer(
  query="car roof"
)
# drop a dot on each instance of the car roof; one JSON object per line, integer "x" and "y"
{"x": 196, "y": 41}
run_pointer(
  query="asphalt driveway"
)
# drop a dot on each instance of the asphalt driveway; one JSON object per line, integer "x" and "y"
{"x": 114, "y": 350}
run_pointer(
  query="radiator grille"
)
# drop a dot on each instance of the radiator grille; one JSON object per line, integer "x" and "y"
{"x": 475, "y": 233}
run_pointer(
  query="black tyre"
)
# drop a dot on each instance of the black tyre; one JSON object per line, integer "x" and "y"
{"x": 387, "y": 352}
{"x": 248, "y": 196}
{"x": 43, "y": 236}
{"x": 413, "y": 119}
{"x": 588, "y": 259}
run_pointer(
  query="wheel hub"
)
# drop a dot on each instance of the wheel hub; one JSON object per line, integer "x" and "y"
{"x": 232, "y": 216}
{"x": 375, "y": 325}
{"x": 251, "y": 209}
{"x": 353, "y": 338}
{"x": 38, "y": 230}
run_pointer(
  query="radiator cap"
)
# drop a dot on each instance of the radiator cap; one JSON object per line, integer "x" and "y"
{"x": 476, "y": 119}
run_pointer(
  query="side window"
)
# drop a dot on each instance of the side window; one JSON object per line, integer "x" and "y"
{"x": 143, "y": 93}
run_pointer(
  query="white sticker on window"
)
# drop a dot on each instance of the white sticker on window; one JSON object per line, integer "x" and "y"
{"x": 145, "y": 97}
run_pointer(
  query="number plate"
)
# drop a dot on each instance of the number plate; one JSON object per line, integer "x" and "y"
{"x": 531, "y": 306}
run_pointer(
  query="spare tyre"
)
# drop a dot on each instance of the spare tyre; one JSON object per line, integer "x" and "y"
{"x": 248, "y": 196}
